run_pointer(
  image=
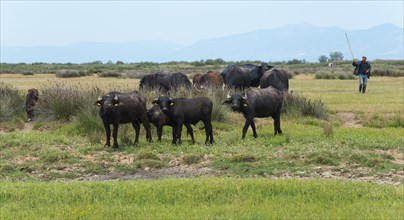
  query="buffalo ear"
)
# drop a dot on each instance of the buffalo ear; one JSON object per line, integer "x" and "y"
{"x": 98, "y": 102}
{"x": 155, "y": 102}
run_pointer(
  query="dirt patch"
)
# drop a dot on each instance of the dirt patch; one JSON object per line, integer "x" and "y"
{"x": 27, "y": 127}
{"x": 398, "y": 156}
{"x": 349, "y": 120}
{"x": 22, "y": 160}
{"x": 182, "y": 171}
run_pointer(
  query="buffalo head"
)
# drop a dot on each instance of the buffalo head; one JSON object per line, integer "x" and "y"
{"x": 264, "y": 67}
{"x": 237, "y": 102}
{"x": 108, "y": 103}
{"x": 164, "y": 102}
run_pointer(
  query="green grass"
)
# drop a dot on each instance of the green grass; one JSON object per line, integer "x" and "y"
{"x": 201, "y": 198}
{"x": 309, "y": 147}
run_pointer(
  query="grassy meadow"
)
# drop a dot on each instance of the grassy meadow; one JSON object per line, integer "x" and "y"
{"x": 340, "y": 156}
{"x": 201, "y": 198}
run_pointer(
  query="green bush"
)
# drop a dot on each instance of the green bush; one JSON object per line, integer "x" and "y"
{"x": 342, "y": 75}
{"x": 11, "y": 102}
{"x": 299, "y": 105}
{"x": 387, "y": 71}
{"x": 61, "y": 101}
{"x": 70, "y": 73}
{"x": 109, "y": 73}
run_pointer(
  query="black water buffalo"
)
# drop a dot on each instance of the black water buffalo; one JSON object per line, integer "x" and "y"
{"x": 256, "y": 71}
{"x": 238, "y": 78}
{"x": 187, "y": 111}
{"x": 159, "y": 119}
{"x": 120, "y": 108}
{"x": 30, "y": 101}
{"x": 165, "y": 82}
{"x": 258, "y": 103}
{"x": 277, "y": 78}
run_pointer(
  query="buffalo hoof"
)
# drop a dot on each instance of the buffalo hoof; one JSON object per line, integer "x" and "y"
{"x": 107, "y": 145}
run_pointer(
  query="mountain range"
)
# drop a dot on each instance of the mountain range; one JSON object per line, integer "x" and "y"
{"x": 297, "y": 41}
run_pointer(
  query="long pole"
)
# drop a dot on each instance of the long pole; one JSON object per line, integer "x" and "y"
{"x": 346, "y": 35}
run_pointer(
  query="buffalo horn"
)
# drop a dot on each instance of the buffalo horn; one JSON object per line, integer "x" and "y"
{"x": 244, "y": 96}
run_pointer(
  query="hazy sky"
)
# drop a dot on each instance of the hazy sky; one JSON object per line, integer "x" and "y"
{"x": 60, "y": 23}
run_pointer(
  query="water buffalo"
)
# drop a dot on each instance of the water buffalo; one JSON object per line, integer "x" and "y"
{"x": 210, "y": 79}
{"x": 256, "y": 71}
{"x": 159, "y": 119}
{"x": 238, "y": 78}
{"x": 196, "y": 80}
{"x": 30, "y": 101}
{"x": 187, "y": 111}
{"x": 258, "y": 103}
{"x": 120, "y": 108}
{"x": 165, "y": 82}
{"x": 277, "y": 78}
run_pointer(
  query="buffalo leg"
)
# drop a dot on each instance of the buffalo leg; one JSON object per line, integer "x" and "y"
{"x": 191, "y": 132}
{"x": 146, "y": 125}
{"x": 277, "y": 124}
{"x": 246, "y": 125}
{"x": 253, "y": 128}
{"x": 209, "y": 133}
{"x": 136, "y": 126}
{"x": 107, "y": 134}
{"x": 174, "y": 130}
{"x": 115, "y": 135}
{"x": 179, "y": 130}
{"x": 159, "y": 132}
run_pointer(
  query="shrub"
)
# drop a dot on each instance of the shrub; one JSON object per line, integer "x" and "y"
{"x": 61, "y": 101}
{"x": 324, "y": 75}
{"x": 339, "y": 74}
{"x": 70, "y": 73}
{"x": 387, "y": 71}
{"x": 11, "y": 102}
{"x": 109, "y": 73}
{"x": 297, "y": 104}
{"x": 88, "y": 124}
{"x": 219, "y": 111}
{"x": 27, "y": 73}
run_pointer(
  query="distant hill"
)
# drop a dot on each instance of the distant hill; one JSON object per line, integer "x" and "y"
{"x": 299, "y": 41}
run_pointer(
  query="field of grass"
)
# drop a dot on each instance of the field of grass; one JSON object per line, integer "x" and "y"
{"x": 201, "y": 198}
{"x": 283, "y": 176}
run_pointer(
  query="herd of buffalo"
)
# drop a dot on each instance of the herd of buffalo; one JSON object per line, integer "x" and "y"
{"x": 118, "y": 108}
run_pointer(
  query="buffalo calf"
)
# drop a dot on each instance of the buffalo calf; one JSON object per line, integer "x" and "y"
{"x": 159, "y": 119}
{"x": 187, "y": 111}
{"x": 30, "y": 101}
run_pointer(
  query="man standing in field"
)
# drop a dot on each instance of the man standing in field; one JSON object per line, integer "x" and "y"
{"x": 362, "y": 69}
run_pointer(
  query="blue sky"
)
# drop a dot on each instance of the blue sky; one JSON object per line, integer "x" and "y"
{"x": 60, "y": 23}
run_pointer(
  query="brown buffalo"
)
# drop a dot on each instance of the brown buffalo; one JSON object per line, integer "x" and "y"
{"x": 30, "y": 100}
{"x": 210, "y": 79}
{"x": 196, "y": 80}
